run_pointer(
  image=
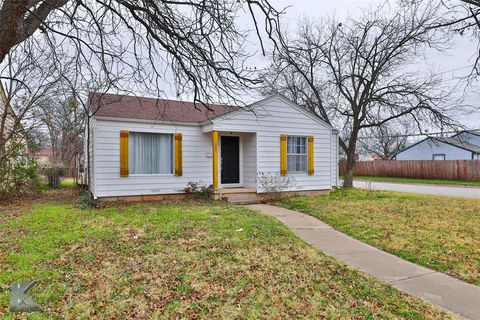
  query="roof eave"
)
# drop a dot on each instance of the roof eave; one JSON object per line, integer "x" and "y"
{"x": 457, "y": 146}
{"x": 157, "y": 121}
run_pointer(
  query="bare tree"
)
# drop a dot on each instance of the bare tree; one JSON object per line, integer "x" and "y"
{"x": 65, "y": 122}
{"x": 42, "y": 97}
{"x": 18, "y": 119}
{"x": 463, "y": 20}
{"x": 354, "y": 74}
{"x": 472, "y": 2}
{"x": 196, "y": 45}
{"x": 468, "y": 22}
{"x": 18, "y": 126}
{"x": 385, "y": 141}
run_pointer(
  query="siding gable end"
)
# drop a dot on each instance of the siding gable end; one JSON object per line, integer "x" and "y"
{"x": 267, "y": 108}
{"x": 424, "y": 150}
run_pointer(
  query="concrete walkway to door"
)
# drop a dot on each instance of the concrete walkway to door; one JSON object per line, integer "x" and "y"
{"x": 444, "y": 291}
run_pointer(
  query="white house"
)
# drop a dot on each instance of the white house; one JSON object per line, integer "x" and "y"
{"x": 462, "y": 146}
{"x": 145, "y": 147}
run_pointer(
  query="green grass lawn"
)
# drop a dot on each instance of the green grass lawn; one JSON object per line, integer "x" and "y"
{"x": 441, "y": 233}
{"x": 421, "y": 181}
{"x": 152, "y": 260}
{"x": 67, "y": 183}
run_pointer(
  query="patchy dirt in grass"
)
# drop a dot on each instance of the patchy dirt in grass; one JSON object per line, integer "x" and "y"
{"x": 144, "y": 261}
{"x": 16, "y": 205}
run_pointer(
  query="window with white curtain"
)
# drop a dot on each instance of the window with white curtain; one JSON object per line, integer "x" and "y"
{"x": 438, "y": 157}
{"x": 150, "y": 153}
{"x": 476, "y": 156}
{"x": 297, "y": 154}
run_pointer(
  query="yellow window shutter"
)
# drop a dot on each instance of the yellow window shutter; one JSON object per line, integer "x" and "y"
{"x": 124, "y": 153}
{"x": 311, "y": 163}
{"x": 283, "y": 154}
{"x": 178, "y": 154}
{"x": 215, "y": 159}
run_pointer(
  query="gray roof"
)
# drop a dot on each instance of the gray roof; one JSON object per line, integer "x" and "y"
{"x": 460, "y": 144}
{"x": 474, "y": 132}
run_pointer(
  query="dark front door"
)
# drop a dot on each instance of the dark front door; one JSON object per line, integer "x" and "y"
{"x": 230, "y": 154}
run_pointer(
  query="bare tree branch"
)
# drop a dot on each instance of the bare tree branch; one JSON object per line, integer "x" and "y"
{"x": 198, "y": 46}
{"x": 354, "y": 74}
{"x": 385, "y": 141}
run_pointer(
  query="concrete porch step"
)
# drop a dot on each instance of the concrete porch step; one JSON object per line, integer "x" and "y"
{"x": 241, "y": 196}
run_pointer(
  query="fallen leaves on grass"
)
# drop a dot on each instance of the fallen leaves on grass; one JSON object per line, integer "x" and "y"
{"x": 144, "y": 261}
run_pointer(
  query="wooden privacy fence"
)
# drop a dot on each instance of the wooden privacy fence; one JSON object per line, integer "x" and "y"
{"x": 465, "y": 170}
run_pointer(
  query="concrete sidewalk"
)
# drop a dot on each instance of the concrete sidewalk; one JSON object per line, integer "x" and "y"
{"x": 444, "y": 291}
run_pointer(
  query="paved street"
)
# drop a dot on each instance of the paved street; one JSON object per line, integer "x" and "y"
{"x": 466, "y": 192}
{"x": 440, "y": 289}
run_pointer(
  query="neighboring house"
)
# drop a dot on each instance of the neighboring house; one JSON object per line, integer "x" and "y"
{"x": 472, "y": 136}
{"x": 44, "y": 157}
{"x": 368, "y": 157}
{"x": 144, "y": 146}
{"x": 462, "y": 146}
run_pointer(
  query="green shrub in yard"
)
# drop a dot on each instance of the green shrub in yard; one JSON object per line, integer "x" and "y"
{"x": 54, "y": 174}
{"x": 197, "y": 190}
{"x": 84, "y": 202}
{"x": 17, "y": 174}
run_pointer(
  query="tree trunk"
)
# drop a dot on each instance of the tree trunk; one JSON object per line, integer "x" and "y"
{"x": 3, "y": 53}
{"x": 352, "y": 147}
{"x": 348, "y": 179}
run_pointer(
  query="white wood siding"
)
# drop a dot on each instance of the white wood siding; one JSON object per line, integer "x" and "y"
{"x": 274, "y": 117}
{"x": 426, "y": 149}
{"x": 197, "y": 162}
{"x": 334, "y": 154}
{"x": 260, "y": 133}
{"x": 90, "y": 162}
{"x": 249, "y": 147}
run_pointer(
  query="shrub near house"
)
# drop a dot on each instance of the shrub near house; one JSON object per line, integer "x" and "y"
{"x": 17, "y": 172}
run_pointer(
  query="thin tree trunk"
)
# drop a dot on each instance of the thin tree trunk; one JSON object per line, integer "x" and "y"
{"x": 348, "y": 179}
{"x": 351, "y": 154}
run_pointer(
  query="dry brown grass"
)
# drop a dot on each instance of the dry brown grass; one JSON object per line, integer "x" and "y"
{"x": 144, "y": 261}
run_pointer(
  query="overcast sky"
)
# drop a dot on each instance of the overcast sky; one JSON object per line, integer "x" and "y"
{"x": 451, "y": 63}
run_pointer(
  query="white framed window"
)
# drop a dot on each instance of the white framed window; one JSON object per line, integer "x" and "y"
{"x": 438, "y": 157}
{"x": 150, "y": 153}
{"x": 476, "y": 156}
{"x": 297, "y": 154}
